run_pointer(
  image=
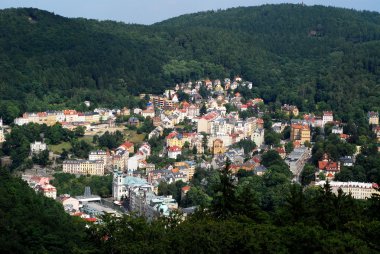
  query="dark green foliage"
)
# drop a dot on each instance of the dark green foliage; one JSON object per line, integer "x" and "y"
{"x": 31, "y": 223}
{"x": 70, "y": 184}
{"x": 17, "y": 143}
{"x": 111, "y": 140}
{"x": 247, "y": 144}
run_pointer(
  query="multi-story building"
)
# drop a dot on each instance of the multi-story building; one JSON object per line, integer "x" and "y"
{"x": 358, "y": 190}
{"x": 98, "y": 155}
{"x": 297, "y": 159}
{"x": 373, "y": 117}
{"x": 37, "y": 147}
{"x": 290, "y": 109}
{"x": 84, "y": 167}
{"x": 204, "y": 123}
{"x": 327, "y": 117}
{"x": 300, "y": 132}
{"x": 258, "y": 137}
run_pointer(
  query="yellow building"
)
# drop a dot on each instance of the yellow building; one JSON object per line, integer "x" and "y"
{"x": 84, "y": 167}
{"x": 300, "y": 132}
{"x": 218, "y": 147}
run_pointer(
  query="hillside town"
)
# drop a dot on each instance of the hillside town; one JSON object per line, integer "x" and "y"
{"x": 194, "y": 127}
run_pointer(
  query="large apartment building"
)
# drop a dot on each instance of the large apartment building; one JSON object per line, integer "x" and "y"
{"x": 358, "y": 190}
{"x": 300, "y": 132}
{"x": 84, "y": 167}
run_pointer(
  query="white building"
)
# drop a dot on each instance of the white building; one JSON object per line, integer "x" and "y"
{"x": 37, "y": 147}
{"x": 48, "y": 190}
{"x": 358, "y": 190}
{"x": 327, "y": 117}
{"x": 98, "y": 155}
{"x": 174, "y": 151}
{"x": 258, "y": 137}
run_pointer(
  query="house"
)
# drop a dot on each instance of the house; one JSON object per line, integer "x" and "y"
{"x": 281, "y": 151}
{"x": 373, "y": 118}
{"x": 174, "y": 151}
{"x": 42, "y": 185}
{"x": 258, "y": 137}
{"x": 149, "y": 112}
{"x": 218, "y": 147}
{"x": 37, "y": 147}
{"x": 327, "y": 117}
{"x": 347, "y": 161}
{"x": 184, "y": 191}
{"x": 337, "y": 129}
{"x": 127, "y": 146}
{"x": 328, "y": 167}
{"x": 260, "y": 170}
{"x": 84, "y": 167}
{"x": 133, "y": 121}
{"x": 290, "y": 110}
{"x": 70, "y": 204}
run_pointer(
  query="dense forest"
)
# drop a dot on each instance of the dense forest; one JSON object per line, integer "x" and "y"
{"x": 314, "y": 57}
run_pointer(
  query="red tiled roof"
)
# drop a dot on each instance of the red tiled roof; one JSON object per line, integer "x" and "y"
{"x": 174, "y": 149}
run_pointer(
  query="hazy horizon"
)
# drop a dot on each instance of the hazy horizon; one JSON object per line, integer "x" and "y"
{"x": 152, "y": 11}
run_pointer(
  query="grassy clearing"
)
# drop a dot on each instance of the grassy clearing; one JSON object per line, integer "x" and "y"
{"x": 133, "y": 137}
{"x": 58, "y": 149}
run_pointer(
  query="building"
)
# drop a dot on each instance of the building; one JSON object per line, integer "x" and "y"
{"x": 258, "y": 137}
{"x": 174, "y": 151}
{"x": 290, "y": 110}
{"x": 373, "y": 118}
{"x": 98, "y": 155}
{"x": 48, "y": 190}
{"x": 328, "y": 167}
{"x": 37, "y": 147}
{"x": 70, "y": 204}
{"x": 84, "y": 167}
{"x": 2, "y": 136}
{"x": 327, "y": 117}
{"x": 218, "y": 147}
{"x": 300, "y": 132}
{"x": 297, "y": 159}
{"x": 358, "y": 190}
{"x": 41, "y": 184}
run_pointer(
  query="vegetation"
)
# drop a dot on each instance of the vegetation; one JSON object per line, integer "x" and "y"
{"x": 32, "y": 223}
{"x": 317, "y": 58}
{"x": 70, "y": 184}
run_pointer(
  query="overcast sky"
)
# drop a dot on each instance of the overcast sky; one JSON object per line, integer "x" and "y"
{"x": 151, "y": 11}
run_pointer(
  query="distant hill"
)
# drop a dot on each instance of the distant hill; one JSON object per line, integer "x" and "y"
{"x": 315, "y": 57}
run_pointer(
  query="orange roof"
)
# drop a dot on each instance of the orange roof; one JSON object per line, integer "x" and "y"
{"x": 186, "y": 188}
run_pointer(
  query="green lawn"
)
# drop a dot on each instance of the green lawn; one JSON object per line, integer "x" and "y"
{"x": 133, "y": 137}
{"x": 58, "y": 149}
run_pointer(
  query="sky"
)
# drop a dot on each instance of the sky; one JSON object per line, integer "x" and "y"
{"x": 151, "y": 11}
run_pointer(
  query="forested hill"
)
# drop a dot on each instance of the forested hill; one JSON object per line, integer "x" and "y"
{"x": 314, "y": 57}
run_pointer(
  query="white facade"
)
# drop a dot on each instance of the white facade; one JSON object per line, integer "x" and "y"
{"x": 258, "y": 137}
{"x": 358, "y": 190}
{"x": 37, "y": 147}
